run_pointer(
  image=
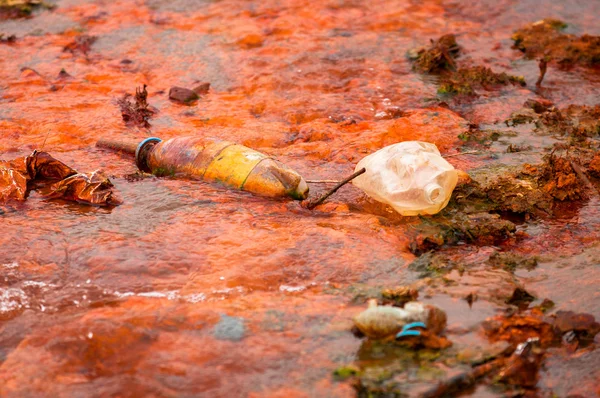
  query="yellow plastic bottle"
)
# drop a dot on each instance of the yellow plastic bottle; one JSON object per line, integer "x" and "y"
{"x": 219, "y": 161}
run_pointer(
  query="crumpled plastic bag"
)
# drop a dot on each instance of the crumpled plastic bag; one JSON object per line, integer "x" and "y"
{"x": 410, "y": 176}
{"x": 18, "y": 177}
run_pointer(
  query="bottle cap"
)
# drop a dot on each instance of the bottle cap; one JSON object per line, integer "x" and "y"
{"x": 142, "y": 151}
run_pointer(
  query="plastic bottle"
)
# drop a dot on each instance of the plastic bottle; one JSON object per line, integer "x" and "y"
{"x": 214, "y": 160}
{"x": 410, "y": 176}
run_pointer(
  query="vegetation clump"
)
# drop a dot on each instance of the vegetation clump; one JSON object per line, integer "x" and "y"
{"x": 439, "y": 57}
{"x": 545, "y": 40}
{"x": 465, "y": 81}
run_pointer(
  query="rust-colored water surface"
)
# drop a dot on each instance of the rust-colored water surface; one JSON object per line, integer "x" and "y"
{"x": 191, "y": 289}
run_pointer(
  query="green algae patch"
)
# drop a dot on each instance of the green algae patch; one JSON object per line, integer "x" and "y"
{"x": 345, "y": 372}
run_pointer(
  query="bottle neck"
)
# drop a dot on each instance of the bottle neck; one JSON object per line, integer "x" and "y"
{"x": 434, "y": 193}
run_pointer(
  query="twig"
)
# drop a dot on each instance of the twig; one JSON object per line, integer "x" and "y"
{"x": 311, "y": 204}
{"x": 44, "y": 143}
{"x": 461, "y": 153}
{"x": 543, "y": 65}
{"x": 321, "y": 181}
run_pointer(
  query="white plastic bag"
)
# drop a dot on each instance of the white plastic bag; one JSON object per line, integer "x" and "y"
{"x": 410, "y": 176}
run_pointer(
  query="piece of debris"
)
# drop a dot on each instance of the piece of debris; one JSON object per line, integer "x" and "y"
{"x": 136, "y": 113}
{"x": 19, "y": 176}
{"x": 183, "y": 95}
{"x": 438, "y": 57}
{"x": 213, "y": 160}
{"x": 81, "y": 44}
{"x": 465, "y": 81}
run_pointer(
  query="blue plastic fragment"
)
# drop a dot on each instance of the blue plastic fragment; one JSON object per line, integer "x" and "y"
{"x": 407, "y": 329}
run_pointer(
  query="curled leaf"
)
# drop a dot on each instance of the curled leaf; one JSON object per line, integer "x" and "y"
{"x": 92, "y": 188}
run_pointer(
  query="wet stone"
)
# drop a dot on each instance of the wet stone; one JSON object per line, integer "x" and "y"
{"x": 184, "y": 95}
{"x": 229, "y": 328}
{"x": 521, "y": 298}
{"x": 202, "y": 88}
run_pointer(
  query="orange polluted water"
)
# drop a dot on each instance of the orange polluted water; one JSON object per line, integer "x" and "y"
{"x": 191, "y": 289}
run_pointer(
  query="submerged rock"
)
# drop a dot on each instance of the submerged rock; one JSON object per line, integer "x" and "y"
{"x": 181, "y": 94}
